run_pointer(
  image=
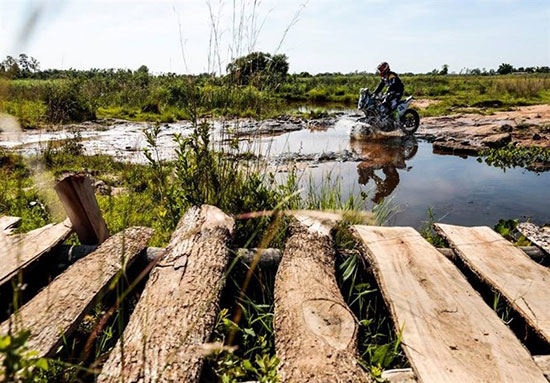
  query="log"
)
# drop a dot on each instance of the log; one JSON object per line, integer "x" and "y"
{"x": 543, "y": 361}
{"x": 17, "y": 252}
{"x": 407, "y": 375}
{"x": 508, "y": 270}
{"x": 315, "y": 332}
{"x": 402, "y": 375}
{"x": 71, "y": 253}
{"x": 540, "y": 236}
{"x": 448, "y": 332}
{"x": 532, "y": 251}
{"x": 77, "y": 195}
{"x": 56, "y": 311}
{"x": 164, "y": 339}
{"x": 7, "y": 223}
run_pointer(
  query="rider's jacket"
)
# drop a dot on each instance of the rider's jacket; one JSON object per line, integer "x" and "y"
{"x": 393, "y": 82}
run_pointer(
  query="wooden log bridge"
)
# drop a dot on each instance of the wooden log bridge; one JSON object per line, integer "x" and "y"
{"x": 179, "y": 305}
{"x": 315, "y": 331}
{"x": 449, "y": 333}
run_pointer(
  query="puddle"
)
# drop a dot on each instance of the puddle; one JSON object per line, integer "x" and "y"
{"x": 461, "y": 190}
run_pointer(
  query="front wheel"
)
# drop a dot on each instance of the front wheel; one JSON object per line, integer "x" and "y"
{"x": 410, "y": 120}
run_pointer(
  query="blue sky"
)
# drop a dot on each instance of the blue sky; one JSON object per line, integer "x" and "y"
{"x": 329, "y": 36}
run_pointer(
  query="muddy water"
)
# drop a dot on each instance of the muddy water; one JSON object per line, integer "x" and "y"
{"x": 460, "y": 190}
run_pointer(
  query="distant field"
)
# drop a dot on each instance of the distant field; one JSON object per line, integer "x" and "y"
{"x": 141, "y": 96}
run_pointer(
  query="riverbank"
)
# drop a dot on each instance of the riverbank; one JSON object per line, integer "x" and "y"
{"x": 472, "y": 133}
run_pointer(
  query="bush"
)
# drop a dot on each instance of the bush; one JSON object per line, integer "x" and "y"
{"x": 65, "y": 102}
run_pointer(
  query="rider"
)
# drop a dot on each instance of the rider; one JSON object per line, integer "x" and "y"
{"x": 394, "y": 84}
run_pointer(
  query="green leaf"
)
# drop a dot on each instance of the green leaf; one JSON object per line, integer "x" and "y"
{"x": 41, "y": 363}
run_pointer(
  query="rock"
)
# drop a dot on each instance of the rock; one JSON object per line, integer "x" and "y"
{"x": 497, "y": 140}
{"x": 270, "y": 126}
{"x": 536, "y": 137}
{"x": 453, "y": 147}
{"x": 100, "y": 187}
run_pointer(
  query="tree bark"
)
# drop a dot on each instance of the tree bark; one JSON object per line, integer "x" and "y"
{"x": 315, "y": 331}
{"x": 19, "y": 251}
{"x": 177, "y": 311}
{"x": 57, "y": 309}
{"x": 77, "y": 195}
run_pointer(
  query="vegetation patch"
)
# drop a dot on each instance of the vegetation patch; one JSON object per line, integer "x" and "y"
{"x": 533, "y": 158}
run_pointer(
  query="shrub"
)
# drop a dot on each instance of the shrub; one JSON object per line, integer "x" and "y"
{"x": 65, "y": 102}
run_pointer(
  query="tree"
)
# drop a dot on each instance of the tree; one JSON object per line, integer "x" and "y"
{"x": 444, "y": 70}
{"x": 10, "y": 68}
{"x": 475, "y": 71}
{"x": 143, "y": 69}
{"x": 505, "y": 69}
{"x": 259, "y": 68}
{"x": 23, "y": 66}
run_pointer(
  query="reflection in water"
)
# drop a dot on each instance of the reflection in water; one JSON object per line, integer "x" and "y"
{"x": 385, "y": 155}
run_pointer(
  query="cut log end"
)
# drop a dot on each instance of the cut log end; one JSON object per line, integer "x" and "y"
{"x": 77, "y": 196}
{"x": 315, "y": 332}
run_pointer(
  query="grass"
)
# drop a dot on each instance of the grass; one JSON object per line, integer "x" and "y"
{"x": 157, "y": 194}
{"x": 137, "y": 96}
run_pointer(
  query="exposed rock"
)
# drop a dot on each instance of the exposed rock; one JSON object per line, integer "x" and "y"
{"x": 271, "y": 126}
{"x": 343, "y": 156}
{"x": 497, "y": 140}
{"x": 454, "y": 147}
{"x": 100, "y": 187}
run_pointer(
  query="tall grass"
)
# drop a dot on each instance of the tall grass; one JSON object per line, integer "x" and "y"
{"x": 141, "y": 96}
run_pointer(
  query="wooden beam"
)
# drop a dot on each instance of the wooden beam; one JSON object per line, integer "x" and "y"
{"x": 543, "y": 361}
{"x": 77, "y": 195}
{"x": 163, "y": 342}
{"x": 18, "y": 252}
{"x": 402, "y": 375}
{"x": 315, "y": 331}
{"x": 56, "y": 311}
{"x": 449, "y": 334}
{"x": 521, "y": 281}
{"x": 540, "y": 236}
{"x": 407, "y": 375}
{"x": 7, "y": 223}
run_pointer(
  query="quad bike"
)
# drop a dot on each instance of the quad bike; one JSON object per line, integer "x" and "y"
{"x": 376, "y": 114}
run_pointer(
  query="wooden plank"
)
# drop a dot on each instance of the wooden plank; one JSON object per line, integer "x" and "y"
{"x": 449, "y": 333}
{"x": 315, "y": 331}
{"x": 176, "y": 313}
{"x": 7, "y": 222}
{"x": 56, "y": 310}
{"x": 407, "y": 375}
{"x": 540, "y": 236}
{"x": 543, "y": 361}
{"x": 77, "y": 195}
{"x": 403, "y": 375}
{"x": 19, "y": 251}
{"x": 523, "y": 282}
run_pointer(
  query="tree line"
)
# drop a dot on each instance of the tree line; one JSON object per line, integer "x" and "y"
{"x": 256, "y": 68}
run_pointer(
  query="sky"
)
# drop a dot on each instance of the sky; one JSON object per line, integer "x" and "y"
{"x": 195, "y": 36}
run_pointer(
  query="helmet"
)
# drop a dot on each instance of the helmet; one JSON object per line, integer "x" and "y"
{"x": 383, "y": 69}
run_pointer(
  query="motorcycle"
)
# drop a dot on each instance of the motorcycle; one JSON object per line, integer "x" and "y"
{"x": 378, "y": 116}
